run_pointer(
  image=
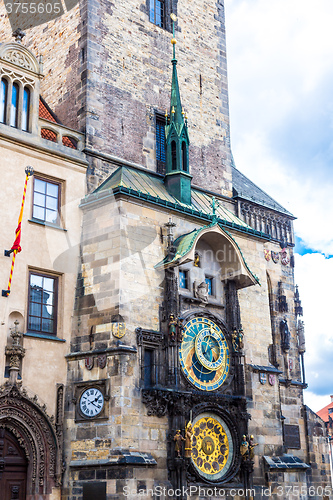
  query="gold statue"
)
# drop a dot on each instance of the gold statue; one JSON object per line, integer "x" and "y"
{"x": 252, "y": 445}
{"x": 196, "y": 260}
{"x": 244, "y": 448}
{"x": 188, "y": 440}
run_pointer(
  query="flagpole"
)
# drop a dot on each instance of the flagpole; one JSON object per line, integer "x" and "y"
{"x": 16, "y": 248}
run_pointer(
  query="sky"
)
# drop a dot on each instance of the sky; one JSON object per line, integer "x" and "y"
{"x": 280, "y": 72}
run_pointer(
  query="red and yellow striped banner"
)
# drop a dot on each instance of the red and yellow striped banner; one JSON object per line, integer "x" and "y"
{"x": 16, "y": 248}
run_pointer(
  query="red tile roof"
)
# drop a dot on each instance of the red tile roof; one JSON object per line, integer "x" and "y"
{"x": 46, "y": 112}
{"x": 323, "y": 413}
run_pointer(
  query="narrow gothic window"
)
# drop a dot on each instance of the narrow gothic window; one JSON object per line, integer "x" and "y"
{"x": 160, "y": 145}
{"x": 184, "y": 156}
{"x": 3, "y": 100}
{"x": 174, "y": 155}
{"x": 148, "y": 367}
{"x": 14, "y": 105}
{"x": 25, "y": 109}
{"x": 157, "y": 13}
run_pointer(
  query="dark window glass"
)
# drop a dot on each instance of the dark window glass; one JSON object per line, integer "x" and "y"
{"x": 209, "y": 282}
{"x": 183, "y": 279}
{"x": 25, "y": 109}
{"x": 157, "y": 13}
{"x": 46, "y": 201}
{"x": 14, "y": 105}
{"x": 160, "y": 140}
{"x": 174, "y": 155}
{"x": 42, "y": 305}
{"x": 184, "y": 156}
{"x": 148, "y": 367}
{"x": 3, "y": 100}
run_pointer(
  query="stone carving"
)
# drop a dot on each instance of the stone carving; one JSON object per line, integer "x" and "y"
{"x": 101, "y": 361}
{"x": 283, "y": 305}
{"x": 201, "y": 291}
{"x": 18, "y": 58}
{"x": 301, "y": 336}
{"x": 172, "y": 327}
{"x": 264, "y": 220}
{"x": 89, "y": 362}
{"x": 285, "y": 335}
{"x": 36, "y": 433}
{"x": 15, "y": 352}
{"x": 252, "y": 445}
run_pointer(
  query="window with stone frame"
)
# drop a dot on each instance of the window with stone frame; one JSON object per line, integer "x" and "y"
{"x": 160, "y": 143}
{"x": 42, "y": 303}
{"x": 159, "y": 12}
{"x": 46, "y": 200}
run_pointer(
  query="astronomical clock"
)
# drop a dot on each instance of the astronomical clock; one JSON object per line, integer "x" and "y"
{"x": 193, "y": 369}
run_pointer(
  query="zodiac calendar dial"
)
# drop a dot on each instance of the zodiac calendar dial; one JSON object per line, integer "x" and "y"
{"x": 204, "y": 354}
{"x": 212, "y": 446}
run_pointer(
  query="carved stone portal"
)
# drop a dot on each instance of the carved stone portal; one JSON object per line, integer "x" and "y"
{"x": 38, "y": 435}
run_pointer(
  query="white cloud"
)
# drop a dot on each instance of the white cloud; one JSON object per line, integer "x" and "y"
{"x": 281, "y": 114}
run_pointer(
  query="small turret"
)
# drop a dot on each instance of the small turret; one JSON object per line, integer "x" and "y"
{"x": 177, "y": 177}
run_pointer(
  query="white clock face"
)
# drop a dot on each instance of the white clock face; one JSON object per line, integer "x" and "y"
{"x": 91, "y": 402}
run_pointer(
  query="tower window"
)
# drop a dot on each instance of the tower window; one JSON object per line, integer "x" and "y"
{"x": 14, "y": 105}
{"x": 183, "y": 279}
{"x": 148, "y": 370}
{"x": 25, "y": 109}
{"x": 160, "y": 144}
{"x": 3, "y": 100}
{"x": 157, "y": 13}
{"x": 184, "y": 156}
{"x": 209, "y": 282}
{"x": 174, "y": 155}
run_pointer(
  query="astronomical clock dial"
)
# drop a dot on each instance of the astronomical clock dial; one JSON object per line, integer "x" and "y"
{"x": 212, "y": 446}
{"x": 91, "y": 402}
{"x": 204, "y": 354}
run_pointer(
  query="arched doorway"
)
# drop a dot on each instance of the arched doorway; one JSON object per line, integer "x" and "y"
{"x": 13, "y": 467}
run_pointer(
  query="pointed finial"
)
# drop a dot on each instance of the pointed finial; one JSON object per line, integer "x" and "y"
{"x": 173, "y": 40}
{"x": 18, "y": 34}
{"x": 214, "y": 204}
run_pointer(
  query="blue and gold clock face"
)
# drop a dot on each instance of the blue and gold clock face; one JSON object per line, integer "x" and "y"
{"x": 204, "y": 354}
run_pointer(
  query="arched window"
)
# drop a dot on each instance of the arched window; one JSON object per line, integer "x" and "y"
{"x": 3, "y": 99}
{"x": 25, "y": 109}
{"x": 174, "y": 155}
{"x": 14, "y": 105}
{"x": 184, "y": 156}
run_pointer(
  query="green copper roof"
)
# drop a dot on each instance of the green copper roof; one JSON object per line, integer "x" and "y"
{"x": 184, "y": 244}
{"x": 150, "y": 186}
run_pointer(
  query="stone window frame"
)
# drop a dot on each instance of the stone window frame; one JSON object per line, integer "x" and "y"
{"x": 170, "y": 6}
{"x": 24, "y": 83}
{"x": 152, "y": 341}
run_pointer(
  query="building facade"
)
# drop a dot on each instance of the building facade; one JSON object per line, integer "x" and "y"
{"x": 177, "y": 344}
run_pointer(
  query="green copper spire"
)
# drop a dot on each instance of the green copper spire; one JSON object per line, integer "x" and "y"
{"x": 175, "y": 103}
{"x": 177, "y": 178}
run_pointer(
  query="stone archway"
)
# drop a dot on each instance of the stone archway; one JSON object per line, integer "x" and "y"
{"x": 37, "y": 435}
